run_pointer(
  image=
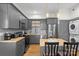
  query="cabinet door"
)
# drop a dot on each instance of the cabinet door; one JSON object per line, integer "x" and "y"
{"x": 13, "y": 17}
{"x": 22, "y": 18}
{"x": 20, "y": 47}
{"x": 43, "y": 24}
{"x": 22, "y": 22}
{"x": 3, "y": 16}
{"x": 29, "y": 24}
{"x": 52, "y": 21}
{"x": 26, "y": 24}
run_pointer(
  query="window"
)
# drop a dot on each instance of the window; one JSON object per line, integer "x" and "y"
{"x": 35, "y": 23}
{"x": 36, "y": 27}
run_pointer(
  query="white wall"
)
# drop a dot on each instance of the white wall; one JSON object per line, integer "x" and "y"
{"x": 36, "y": 15}
{"x": 68, "y": 14}
{"x": 51, "y": 15}
{"x": 64, "y": 14}
{"x": 75, "y": 12}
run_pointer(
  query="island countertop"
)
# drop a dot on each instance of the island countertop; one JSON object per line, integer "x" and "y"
{"x": 13, "y": 39}
{"x": 61, "y": 41}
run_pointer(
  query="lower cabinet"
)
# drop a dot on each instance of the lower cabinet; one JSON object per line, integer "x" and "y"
{"x": 34, "y": 39}
{"x": 27, "y": 41}
{"x": 12, "y": 48}
{"x": 20, "y": 47}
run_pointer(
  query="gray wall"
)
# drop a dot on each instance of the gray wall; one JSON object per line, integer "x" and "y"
{"x": 9, "y": 30}
{"x": 63, "y": 29}
{"x": 43, "y": 24}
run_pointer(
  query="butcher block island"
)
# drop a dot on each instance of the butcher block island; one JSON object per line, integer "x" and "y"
{"x": 61, "y": 41}
{"x": 42, "y": 43}
{"x": 13, "y": 47}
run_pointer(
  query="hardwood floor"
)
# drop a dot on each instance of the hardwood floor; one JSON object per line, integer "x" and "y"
{"x": 78, "y": 53}
{"x": 34, "y": 50}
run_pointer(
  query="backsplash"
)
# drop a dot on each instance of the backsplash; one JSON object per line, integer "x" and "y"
{"x": 2, "y": 31}
{"x": 9, "y": 30}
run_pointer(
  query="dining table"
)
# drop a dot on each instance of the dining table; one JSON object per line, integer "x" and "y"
{"x": 42, "y": 43}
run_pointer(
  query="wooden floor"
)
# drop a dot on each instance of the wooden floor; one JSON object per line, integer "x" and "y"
{"x": 34, "y": 50}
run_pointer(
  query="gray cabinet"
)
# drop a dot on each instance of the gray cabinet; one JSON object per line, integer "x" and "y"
{"x": 7, "y": 49}
{"x": 23, "y": 22}
{"x": 20, "y": 47}
{"x": 43, "y": 24}
{"x": 13, "y": 17}
{"x": 26, "y": 24}
{"x": 29, "y": 24}
{"x": 52, "y": 21}
{"x": 34, "y": 39}
{"x": 3, "y": 16}
{"x": 12, "y": 48}
{"x": 10, "y": 17}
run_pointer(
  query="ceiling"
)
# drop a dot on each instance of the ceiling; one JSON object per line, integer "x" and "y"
{"x": 43, "y": 10}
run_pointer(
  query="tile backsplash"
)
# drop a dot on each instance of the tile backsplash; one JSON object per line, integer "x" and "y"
{"x": 2, "y": 31}
{"x": 9, "y": 30}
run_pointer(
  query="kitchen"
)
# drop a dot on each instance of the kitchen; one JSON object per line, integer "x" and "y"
{"x": 26, "y": 26}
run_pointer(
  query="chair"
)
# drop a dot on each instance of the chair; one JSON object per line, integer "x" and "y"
{"x": 73, "y": 40}
{"x": 51, "y": 48}
{"x": 70, "y": 49}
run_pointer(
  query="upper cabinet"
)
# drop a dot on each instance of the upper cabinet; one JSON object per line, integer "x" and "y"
{"x": 29, "y": 24}
{"x": 43, "y": 24}
{"x": 13, "y": 17}
{"x": 3, "y": 16}
{"x": 22, "y": 22}
{"x": 52, "y": 21}
{"x": 26, "y": 24}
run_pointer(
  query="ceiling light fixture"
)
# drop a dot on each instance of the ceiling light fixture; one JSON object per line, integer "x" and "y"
{"x": 35, "y": 12}
{"x": 36, "y": 16}
{"x": 47, "y": 15}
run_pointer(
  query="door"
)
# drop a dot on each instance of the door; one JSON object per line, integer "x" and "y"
{"x": 51, "y": 30}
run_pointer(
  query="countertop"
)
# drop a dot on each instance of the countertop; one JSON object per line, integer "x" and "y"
{"x": 61, "y": 41}
{"x": 36, "y": 34}
{"x": 13, "y": 39}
